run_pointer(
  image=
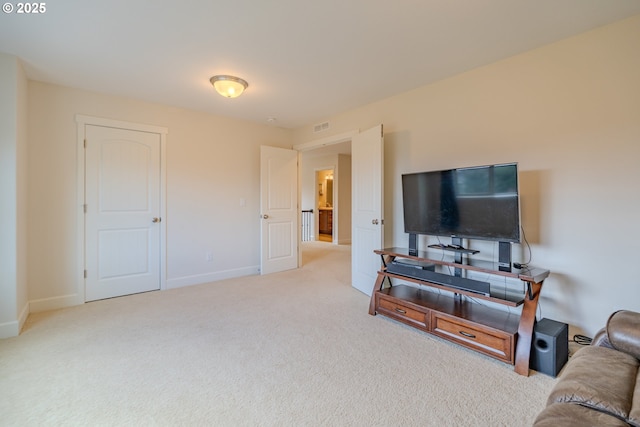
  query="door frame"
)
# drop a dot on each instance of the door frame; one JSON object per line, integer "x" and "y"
{"x": 312, "y": 145}
{"x": 81, "y": 122}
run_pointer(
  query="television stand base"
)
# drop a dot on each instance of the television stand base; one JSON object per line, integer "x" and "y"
{"x": 501, "y": 334}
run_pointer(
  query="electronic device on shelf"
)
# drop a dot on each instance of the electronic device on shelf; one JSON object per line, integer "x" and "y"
{"x": 402, "y": 265}
{"x": 479, "y": 202}
{"x": 426, "y": 271}
{"x": 453, "y": 248}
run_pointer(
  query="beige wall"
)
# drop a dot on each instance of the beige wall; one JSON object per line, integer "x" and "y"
{"x": 343, "y": 191}
{"x": 213, "y": 165}
{"x": 13, "y": 200}
{"x": 569, "y": 114}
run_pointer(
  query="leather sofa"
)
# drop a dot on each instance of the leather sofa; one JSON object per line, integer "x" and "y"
{"x": 600, "y": 385}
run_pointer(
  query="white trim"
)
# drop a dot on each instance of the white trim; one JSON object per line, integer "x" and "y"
{"x": 329, "y": 140}
{"x": 24, "y": 313}
{"x": 80, "y": 178}
{"x": 13, "y": 328}
{"x": 100, "y": 121}
{"x": 9, "y": 329}
{"x": 82, "y": 121}
{"x": 199, "y": 279}
{"x": 299, "y": 212}
{"x": 55, "y": 303}
{"x": 163, "y": 211}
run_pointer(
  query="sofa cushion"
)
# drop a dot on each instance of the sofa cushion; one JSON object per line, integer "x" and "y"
{"x": 600, "y": 378}
{"x": 634, "y": 415}
{"x": 572, "y": 415}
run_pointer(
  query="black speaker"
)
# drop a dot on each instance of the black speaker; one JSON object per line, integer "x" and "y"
{"x": 413, "y": 244}
{"x": 504, "y": 256}
{"x": 550, "y": 347}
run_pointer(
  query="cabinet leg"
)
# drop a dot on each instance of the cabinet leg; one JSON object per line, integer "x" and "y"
{"x": 525, "y": 329}
{"x": 376, "y": 287}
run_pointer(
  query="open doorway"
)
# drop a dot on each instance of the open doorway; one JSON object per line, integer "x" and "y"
{"x": 325, "y": 188}
{"x": 365, "y": 202}
{"x": 324, "y": 202}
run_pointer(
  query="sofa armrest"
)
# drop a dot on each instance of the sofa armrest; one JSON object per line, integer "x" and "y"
{"x": 601, "y": 339}
{"x": 623, "y": 332}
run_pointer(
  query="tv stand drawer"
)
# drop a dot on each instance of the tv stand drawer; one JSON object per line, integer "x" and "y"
{"x": 497, "y": 344}
{"x": 402, "y": 312}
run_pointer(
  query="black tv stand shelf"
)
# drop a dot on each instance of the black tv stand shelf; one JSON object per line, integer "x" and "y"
{"x": 502, "y": 334}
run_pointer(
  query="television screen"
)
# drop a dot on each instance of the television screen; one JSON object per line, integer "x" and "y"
{"x": 474, "y": 203}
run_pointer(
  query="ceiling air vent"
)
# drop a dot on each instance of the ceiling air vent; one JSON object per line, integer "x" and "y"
{"x": 321, "y": 127}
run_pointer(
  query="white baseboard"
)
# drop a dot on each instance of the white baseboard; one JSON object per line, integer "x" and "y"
{"x": 199, "y": 279}
{"x": 54, "y": 303}
{"x": 9, "y": 329}
{"x": 13, "y": 328}
{"x": 24, "y": 313}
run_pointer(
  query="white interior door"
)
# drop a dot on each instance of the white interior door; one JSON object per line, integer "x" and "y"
{"x": 279, "y": 209}
{"x": 122, "y": 220}
{"x": 367, "y": 150}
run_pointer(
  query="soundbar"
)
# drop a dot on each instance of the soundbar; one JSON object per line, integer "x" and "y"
{"x": 426, "y": 272}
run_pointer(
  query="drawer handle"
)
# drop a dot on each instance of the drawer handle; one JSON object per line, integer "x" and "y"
{"x": 399, "y": 310}
{"x": 467, "y": 334}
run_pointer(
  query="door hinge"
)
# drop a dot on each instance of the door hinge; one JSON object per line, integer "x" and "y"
{"x": 85, "y": 274}
{"x": 84, "y": 208}
{"x": 85, "y": 143}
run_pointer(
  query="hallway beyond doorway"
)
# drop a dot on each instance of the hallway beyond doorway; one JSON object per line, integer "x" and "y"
{"x": 325, "y": 238}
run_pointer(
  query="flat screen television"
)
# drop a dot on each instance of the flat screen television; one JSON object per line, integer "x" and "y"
{"x": 474, "y": 203}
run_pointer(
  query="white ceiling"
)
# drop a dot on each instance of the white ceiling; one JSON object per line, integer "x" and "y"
{"x": 304, "y": 60}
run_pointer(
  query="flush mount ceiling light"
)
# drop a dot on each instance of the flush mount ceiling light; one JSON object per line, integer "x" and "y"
{"x": 229, "y": 86}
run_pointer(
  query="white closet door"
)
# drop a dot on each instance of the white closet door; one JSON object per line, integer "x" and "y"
{"x": 122, "y": 220}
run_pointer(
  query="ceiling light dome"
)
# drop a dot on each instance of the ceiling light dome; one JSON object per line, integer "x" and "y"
{"x": 229, "y": 86}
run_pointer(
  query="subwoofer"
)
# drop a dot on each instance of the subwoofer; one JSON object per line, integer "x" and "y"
{"x": 550, "y": 347}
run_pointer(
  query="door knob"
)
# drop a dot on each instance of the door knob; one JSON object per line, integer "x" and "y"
{"x": 156, "y": 220}
{"x": 374, "y": 221}
{"x": 265, "y": 216}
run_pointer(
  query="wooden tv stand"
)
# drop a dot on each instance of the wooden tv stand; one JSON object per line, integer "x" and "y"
{"x": 501, "y": 334}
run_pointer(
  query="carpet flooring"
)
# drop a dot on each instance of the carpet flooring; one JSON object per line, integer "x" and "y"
{"x": 296, "y": 348}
